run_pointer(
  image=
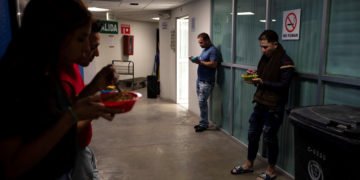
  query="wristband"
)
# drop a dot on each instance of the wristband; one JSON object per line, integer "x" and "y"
{"x": 73, "y": 115}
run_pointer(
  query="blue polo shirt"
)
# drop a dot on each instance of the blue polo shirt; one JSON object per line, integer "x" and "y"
{"x": 205, "y": 73}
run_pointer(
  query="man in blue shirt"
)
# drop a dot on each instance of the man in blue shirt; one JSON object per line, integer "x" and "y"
{"x": 208, "y": 62}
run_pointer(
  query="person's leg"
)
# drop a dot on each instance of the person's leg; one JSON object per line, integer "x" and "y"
{"x": 254, "y": 133}
{"x": 197, "y": 94}
{"x": 273, "y": 120}
{"x": 85, "y": 167}
{"x": 91, "y": 156}
{"x": 255, "y": 129}
{"x": 203, "y": 95}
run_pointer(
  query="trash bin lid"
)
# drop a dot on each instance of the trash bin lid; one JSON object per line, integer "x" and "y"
{"x": 339, "y": 119}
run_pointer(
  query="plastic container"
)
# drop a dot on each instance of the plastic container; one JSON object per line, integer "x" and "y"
{"x": 125, "y": 105}
{"x": 248, "y": 77}
{"x": 327, "y": 142}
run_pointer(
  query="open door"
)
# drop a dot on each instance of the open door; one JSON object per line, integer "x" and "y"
{"x": 182, "y": 61}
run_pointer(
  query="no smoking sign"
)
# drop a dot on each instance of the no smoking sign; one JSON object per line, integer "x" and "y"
{"x": 291, "y": 25}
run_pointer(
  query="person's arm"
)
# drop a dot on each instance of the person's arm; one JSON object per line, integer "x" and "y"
{"x": 105, "y": 77}
{"x": 210, "y": 64}
{"x": 213, "y": 59}
{"x": 286, "y": 75}
{"x": 17, "y": 157}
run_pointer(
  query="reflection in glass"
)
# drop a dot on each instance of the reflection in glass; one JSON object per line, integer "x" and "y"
{"x": 248, "y": 28}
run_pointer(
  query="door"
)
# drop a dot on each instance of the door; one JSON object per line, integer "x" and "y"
{"x": 182, "y": 61}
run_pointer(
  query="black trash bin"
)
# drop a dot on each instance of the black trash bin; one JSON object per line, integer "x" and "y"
{"x": 152, "y": 87}
{"x": 327, "y": 141}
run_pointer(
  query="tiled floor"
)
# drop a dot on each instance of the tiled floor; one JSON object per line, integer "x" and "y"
{"x": 156, "y": 141}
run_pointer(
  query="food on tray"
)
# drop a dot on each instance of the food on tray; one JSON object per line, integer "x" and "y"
{"x": 118, "y": 97}
{"x": 250, "y": 74}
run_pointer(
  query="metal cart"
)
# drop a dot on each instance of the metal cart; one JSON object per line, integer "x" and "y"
{"x": 125, "y": 67}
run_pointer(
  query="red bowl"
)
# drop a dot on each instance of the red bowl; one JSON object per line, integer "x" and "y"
{"x": 124, "y": 105}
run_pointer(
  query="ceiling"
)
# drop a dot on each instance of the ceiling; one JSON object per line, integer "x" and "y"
{"x": 121, "y": 9}
{"x": 144, "y": 11}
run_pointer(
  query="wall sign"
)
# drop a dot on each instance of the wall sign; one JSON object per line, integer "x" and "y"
{"x": 109, "y": 27}
{"x": 125, "y": 28}
{"x": 291, "y": 25}
{"x": 164, "y": 25}
{"x": 173, "y": 40}
{"x": 193, "y": 24}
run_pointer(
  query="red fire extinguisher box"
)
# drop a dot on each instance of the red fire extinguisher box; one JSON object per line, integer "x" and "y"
{"x": 128, "y": 45}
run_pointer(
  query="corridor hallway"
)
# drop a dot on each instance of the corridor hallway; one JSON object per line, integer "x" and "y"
{"x": 157, "y": 141}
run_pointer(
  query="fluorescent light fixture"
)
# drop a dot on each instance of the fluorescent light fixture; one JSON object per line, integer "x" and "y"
{"x": 245, "y": 13}
{"x": 155, "y": 18}
{"x": 263, "y": 20}
{"x": 96, "y": 9}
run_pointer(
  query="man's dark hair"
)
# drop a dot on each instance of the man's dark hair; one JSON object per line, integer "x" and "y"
{"x": 204, "y": 36}
{"x": 269, "y": 35}
{"x": 96, "y": 26}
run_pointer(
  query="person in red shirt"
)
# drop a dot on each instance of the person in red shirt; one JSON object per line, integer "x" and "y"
{"x": 39, "y": 125}
{"x": 85, "y": 166}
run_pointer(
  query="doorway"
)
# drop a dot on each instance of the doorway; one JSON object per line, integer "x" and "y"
{"x": 182, "y": 61}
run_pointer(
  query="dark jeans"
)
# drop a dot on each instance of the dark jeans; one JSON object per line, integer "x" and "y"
{"x": 266, "y": 121}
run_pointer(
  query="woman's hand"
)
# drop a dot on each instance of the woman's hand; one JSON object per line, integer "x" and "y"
{"x": 91, "y": 107}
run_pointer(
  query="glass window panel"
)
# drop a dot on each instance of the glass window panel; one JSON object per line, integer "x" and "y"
{"x": 243, "y": 106}
{"x": 286, "y": 147}
{"x": 306, "y": 51}
{"x": 220, "y": 104}
{"x": 341, "y": 94}
{"x": 221, "y": 27}
{"x": 249, "y": 25}
{"x": 344, "y": 38}
{"x": 303, "y": 93}
{"x": 217, "y": 98}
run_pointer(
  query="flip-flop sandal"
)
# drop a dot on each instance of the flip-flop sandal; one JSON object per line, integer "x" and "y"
{"x": 265, "y": 176}
{"x": 240, "y": 170}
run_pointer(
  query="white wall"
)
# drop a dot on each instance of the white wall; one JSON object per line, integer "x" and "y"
{"x": 201, "y": 11}
{"x": 111, "y": 48}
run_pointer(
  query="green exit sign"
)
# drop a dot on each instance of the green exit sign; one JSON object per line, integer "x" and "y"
{"x": 109, "y": 27}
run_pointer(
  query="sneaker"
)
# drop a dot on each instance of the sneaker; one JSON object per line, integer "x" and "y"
{"x": 200, "y": 129}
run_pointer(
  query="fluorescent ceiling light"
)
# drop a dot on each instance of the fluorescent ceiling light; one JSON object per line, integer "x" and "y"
{"x": 95, "y": 9}
{"x": 263, "y": 20}
{"x": 156, "y": 18}
{"x": 245, "y": 13}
